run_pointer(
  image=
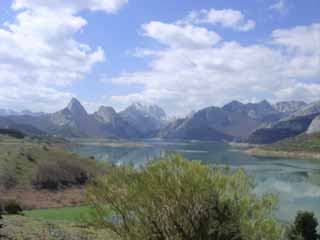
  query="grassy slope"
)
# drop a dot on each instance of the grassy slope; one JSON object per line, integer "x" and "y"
{"x": 302, "y": 143}
{"x": 303, "y": 146}
{"x": 19, "y": 158}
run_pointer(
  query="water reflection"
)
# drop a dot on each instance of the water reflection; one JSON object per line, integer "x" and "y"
{"x": 296, "y": 182}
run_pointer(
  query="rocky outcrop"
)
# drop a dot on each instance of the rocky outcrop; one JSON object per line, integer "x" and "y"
{"x": 146, "y": 119}
{"x": 314, "y": 126}
{"x": 289, "y": 107}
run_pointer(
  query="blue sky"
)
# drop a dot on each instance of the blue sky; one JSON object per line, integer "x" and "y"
{"x": 155, "y": 52}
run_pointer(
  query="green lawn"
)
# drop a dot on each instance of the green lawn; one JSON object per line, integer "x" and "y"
{"x": 71, "y": 214}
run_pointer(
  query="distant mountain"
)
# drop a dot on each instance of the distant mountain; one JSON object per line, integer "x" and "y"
{"x": 234, "y": 120}
{"x": 74, "y": 121}
{"x": 6, "y": 123}
{"x": 314, "y": 126}
{"x": 289, "y": 107}
{"x": 281, "y": 130}
{"x": 296, "y": 123}
{"x": 258, "y": 122}
{"x": 9, "y": 112}
{"x": 114, "y": 124}
{"x": 309, "y": 109}
{"x": 146, "y": 119}
{"x": 258, "y": 111}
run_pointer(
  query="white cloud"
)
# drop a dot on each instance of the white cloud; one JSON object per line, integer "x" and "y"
{"x": 181, "y": 36}
{"x": 38, "y": 51}
{"x": 302, "y": 38}
{"x": 108, "y": 6}
{"x": 183, "y": 79}
{"x": 227, "y": 18}
{"x": 280, "y": 6}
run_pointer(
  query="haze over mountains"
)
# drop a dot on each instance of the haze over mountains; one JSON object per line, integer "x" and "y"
{"x": 254, "y": 122}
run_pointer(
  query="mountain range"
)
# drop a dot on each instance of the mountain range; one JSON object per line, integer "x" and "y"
{"x": 259, "y": 122}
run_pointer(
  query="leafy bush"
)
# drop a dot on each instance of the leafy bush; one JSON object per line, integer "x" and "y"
{"x": 304, "y": 227}
{"x": 13, "y": 133}
{"x": 175, "y": 199}
{"x": 8, "y": 175}
{"x": 12, "y": 207}
{"x": 53, "y": 175}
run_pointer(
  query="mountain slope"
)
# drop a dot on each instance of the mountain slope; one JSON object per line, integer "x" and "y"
{"x": 6, "y": 123}
{"x": 234, "y": 120}
{"x": 289, "y": 107}
{"x": 291, "y": 126}
{"x": 146, "y": 119}
{"x": 314, "y": 126}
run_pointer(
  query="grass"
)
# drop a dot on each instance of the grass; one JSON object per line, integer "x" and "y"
{"x": 302, "y": 143}
{"x": 23, "y": 227}
{"x": 20, "y": 159}
{"x": 301, "y": 147}
{"x": 70, "y": 214}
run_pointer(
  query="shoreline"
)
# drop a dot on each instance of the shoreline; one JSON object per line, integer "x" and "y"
{"x": 258, "y": 152}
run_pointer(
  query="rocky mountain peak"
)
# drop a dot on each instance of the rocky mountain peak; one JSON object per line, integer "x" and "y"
{"x": 153, "y": 111}
{"x": 233, "y": 106}
{"x": 106, "y": 114}
{"x": 309, "y": 109}
{"x": 314, "y": 126}
{"x": 76, "y": 108}
{"x": 289, "y": 107}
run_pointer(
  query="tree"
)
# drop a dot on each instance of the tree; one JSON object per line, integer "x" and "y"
{"x": 304, "y": 227}
{"x": 173, "y": 199}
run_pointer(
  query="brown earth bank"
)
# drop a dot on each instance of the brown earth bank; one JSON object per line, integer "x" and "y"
{"x": 37, "y": 199}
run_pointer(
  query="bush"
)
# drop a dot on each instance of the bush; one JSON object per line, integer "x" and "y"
{"x": 54, "y": 175}
{"x": 8, "y": 175}
{"x": 304, "y": 227}
{"x": 12, "y": 207}
{"x": 175, "y": 199}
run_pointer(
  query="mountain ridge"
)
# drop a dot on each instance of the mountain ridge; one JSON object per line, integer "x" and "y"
{"x": 233, "y": 121}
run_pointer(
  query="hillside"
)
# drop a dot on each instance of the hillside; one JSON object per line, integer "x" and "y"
{"x": 30, "y": 168}
{"x": 233, "y": 121}
{"x": 306, "y": 146}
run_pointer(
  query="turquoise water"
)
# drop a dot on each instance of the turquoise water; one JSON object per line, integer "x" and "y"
{"x": 296, "y": 182}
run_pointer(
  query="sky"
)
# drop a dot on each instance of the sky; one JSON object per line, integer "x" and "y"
{"x": 182, "y": 55}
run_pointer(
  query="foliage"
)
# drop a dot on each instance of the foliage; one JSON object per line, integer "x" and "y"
{"x": 174, "y": 199}
{"x": 12, "y": 207}
{"x": 62, "y": 173}
{"x": 13, "y": 133}
{"x": 304, "y": 227}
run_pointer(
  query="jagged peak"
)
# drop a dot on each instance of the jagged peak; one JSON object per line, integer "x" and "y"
{"x": 147, "y": 108}
{"x": 106, "y": 110}
{"x": 76, "y": 107}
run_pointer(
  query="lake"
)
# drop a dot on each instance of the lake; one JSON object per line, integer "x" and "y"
{"x": 295, "y": 181}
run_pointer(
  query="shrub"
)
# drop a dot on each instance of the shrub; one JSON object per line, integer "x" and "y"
{"x": 53, "y": 175}
{"x": 12, "y": 207}
{"x": 304, "y": 227}
{"x": 175, "y": 199}
{"x": 8, "y": 175}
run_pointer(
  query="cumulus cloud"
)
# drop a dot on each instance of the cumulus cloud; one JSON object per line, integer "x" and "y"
{"x": 191, "y": 78}
{"x": 38, "y": 51}
{"x": 227, "y": 18}
{"x": 181, "y": 36}
{"x": 302, "y": 38}
{"x": 108, "y": 6}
